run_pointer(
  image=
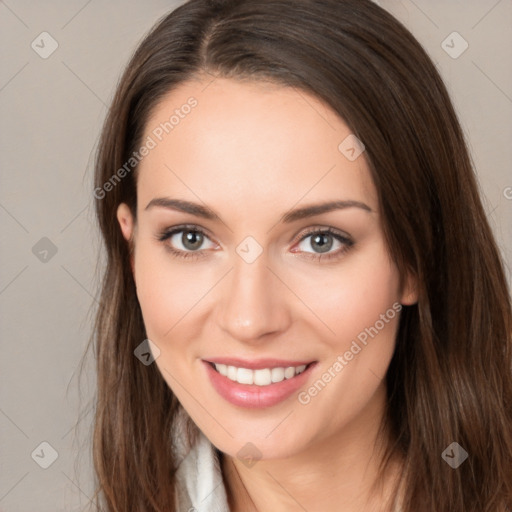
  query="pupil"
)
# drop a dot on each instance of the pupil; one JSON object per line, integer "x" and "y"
{"x": 193, "y": 239}
{"x": 323, "y": 247}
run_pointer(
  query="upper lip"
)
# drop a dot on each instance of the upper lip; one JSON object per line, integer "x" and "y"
{"x": 257, "y": 364}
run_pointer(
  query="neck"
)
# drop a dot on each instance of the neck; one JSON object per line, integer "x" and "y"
{"x": 336, "y": 473}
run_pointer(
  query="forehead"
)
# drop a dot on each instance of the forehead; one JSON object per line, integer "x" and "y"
{"x": 254, "y": 143}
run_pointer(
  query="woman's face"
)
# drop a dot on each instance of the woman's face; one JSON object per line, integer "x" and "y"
{"x": 252, "y": 277}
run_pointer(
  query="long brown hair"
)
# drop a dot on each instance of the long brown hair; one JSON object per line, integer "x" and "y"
{"x": 450, "y": 379}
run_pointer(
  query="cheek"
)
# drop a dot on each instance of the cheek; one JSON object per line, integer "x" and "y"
{"x": 167, "y": 292}
{"x": 363, "y": 312}
{"x": 352, "y": 297}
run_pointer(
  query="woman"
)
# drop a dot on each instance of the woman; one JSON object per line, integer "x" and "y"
{"x": 303, "y": 306}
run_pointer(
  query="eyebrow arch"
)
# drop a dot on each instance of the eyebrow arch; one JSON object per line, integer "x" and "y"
{"x": 292, "y": 216}
{"x": 317, "y": 209}
{"x": 183, "y": 206}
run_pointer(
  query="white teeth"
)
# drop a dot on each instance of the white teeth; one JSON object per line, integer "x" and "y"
{"x": 222, "y": 369}
{"x": 231, "y": 372}
{"x": 277, "y": 374}
{"x": 289, "y": 372}
{"x": 262, "y": 377}
{"x": 244, "y": 376}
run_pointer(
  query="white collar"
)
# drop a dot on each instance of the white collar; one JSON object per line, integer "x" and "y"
{"x": 199, "y": 483}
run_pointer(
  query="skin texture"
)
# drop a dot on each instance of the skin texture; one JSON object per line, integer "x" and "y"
{"x": 252, "y": 151}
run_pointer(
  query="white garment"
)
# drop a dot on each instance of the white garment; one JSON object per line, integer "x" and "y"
{"x": 199, "y": 482}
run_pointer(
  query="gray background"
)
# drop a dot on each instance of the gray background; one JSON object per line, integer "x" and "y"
{"x": 51, "y": 112}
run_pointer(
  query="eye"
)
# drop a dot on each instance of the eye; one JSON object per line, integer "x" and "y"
{"x": 185, "y": 241}
{"x": 322, "y": 241}
{"x": 188, "y": 242}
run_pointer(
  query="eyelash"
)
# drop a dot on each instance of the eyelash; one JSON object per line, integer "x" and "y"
{"x": 193, "y": 255}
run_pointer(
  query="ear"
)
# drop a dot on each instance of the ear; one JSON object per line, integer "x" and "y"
{"x": 127, "y": 224}
{"x": 125, "y": 219}
{"x": 409, "y": 294}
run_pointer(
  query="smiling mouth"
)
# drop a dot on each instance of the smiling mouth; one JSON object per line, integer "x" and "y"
{"x": 260, "y": 377}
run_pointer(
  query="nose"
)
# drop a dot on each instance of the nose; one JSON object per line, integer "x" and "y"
{"x": 254, "y": 302}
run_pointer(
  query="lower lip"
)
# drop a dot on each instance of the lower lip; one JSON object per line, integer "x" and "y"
{"x": 252, "y": 396}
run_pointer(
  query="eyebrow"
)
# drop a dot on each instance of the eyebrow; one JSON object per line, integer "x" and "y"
{"x": 292, "y": 216}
